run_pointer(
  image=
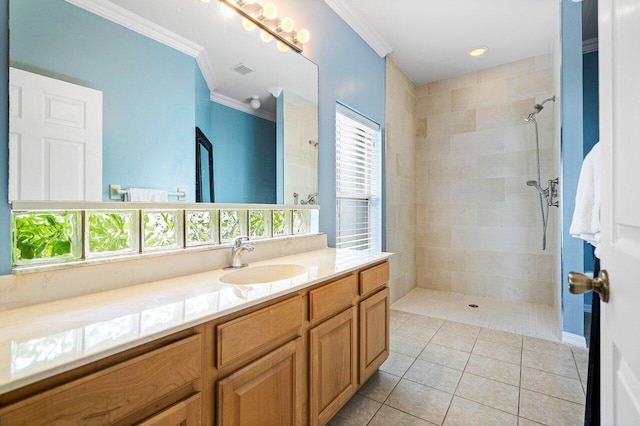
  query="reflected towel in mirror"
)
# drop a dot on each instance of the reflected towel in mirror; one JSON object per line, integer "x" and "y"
{"x": 146, "y": 194}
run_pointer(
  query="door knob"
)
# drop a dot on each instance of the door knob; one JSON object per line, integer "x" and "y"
{"x": 579, "y": 284}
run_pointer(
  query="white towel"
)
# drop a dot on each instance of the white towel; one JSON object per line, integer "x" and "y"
{"x": 146, "y": 194}
{"x": 586, "y": 216}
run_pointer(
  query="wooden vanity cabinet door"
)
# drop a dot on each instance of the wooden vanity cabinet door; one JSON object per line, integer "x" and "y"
{"x": 333, "y": 365}
{"x": 184, "y": 413}
{"x": 374, "y": 333}
{"x": 267, "y": 392}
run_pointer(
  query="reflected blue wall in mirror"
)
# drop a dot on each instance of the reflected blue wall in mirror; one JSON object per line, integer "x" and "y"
{"x": 154, "y": 96}
{"x": 244, "y": 162}
{"x": 140, "y": 122}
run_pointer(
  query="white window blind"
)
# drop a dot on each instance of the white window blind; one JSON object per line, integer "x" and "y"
{"x": 358, "y": 182}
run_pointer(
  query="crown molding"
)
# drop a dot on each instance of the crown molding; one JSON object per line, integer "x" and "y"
{"x": 361, "y": 26}
{"x": 241, "y": 106}
{"x": 590, "y": 45}
{"x": 130, "y": 20}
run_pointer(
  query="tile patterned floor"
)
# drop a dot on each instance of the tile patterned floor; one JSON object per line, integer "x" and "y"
{"x": 528, "y": 319}
{"x": 441, "y": 372}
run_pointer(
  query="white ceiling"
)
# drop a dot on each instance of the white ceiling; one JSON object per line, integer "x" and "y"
{"x": 430, "y": 39}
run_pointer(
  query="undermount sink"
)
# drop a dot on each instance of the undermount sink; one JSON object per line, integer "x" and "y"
{"x": 263, "y": 274}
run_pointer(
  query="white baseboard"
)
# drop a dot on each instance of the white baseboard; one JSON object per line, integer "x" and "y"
{"x": 574, "y": 340}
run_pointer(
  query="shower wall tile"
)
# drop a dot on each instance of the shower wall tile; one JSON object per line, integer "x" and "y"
{"x": 401, "y": 127}
{"x": 529, "y": 85}
{"x": 505, "y": 71}
{"x": 452, "y": 83}
{"x": 508, "y": 114}
{"x": 437, "y": 103}
{"x": 451, "y": 123}
{"x": 478, "y": 226}
{"x": 544, "y": 62}
{"x": 477, "y": 190}
{"x": 481, "y": 95}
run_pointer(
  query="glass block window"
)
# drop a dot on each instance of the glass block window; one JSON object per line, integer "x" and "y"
{"x": 232, "y": 224}
{"x": 281, "y": 222}
{"x": 111, "y": 233}
{"x": 259, "y": 224}
{"x": 46, "y": 237}
{"x": 300, "y": 222}
{"x": 202, "y": 227}
{"x": 162, "y": 229}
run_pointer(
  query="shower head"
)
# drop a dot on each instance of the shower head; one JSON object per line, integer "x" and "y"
{"x": 537, "y": 108}
{"x": 536, "y": 186}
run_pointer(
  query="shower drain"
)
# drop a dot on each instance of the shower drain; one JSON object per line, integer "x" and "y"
{"x": 473, "y": 305}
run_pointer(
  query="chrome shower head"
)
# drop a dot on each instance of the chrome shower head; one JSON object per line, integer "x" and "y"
{"x": 536, "y": 186}
{"x": 537, "y": 108}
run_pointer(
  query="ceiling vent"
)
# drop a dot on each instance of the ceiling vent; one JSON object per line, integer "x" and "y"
{"x": 242, "y": 69}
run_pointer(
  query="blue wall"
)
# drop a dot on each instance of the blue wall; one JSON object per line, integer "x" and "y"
{"x": 349, "y": 71}
{"x": 244, "y": 156}
{"x": 572, "y": 155}
{"x": 5, "y": 212}
{"x": 148, "y": 89}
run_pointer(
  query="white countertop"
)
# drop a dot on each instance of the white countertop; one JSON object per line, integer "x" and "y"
{"x": 40, "y": 341}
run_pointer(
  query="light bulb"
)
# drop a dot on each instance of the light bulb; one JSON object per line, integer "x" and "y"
{"x": 205, "y": 1}
{"x": 248, "y": 25}
{"x": 265, "y": 36}
{"x": 255, "y": 102}
{"x": 227, "y": 12}
{"x": 270, "y": 11}
{"x": 302, "y": 36}
{"x": 282, "y": 47}
{"x": 478, "y": 51}
{"x": 286, "y": 24}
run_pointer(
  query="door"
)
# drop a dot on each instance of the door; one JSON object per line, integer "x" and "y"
{"x": 333, "y": 358}
{"x": 619, "y": 32}
{"x": 55, "y": 139}
{"x": 267, "y": 392}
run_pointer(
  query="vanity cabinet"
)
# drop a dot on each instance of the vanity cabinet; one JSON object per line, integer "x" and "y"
{"x": 374, "y": 333}
{"x": 333, "y": 365}
{"x": 163, "y": 382}
{"x": 295, "y": 360}
{"x": 267, "y": 392}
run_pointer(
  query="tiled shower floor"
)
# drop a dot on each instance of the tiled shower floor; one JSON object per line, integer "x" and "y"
{"x": 528, "y": 319}
{"x": 445, "y": 372}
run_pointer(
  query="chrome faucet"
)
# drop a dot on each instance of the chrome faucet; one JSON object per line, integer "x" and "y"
{"x": 236, "y": 252}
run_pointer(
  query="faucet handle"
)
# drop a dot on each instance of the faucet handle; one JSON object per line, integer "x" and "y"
{"x": 237, "y": 242}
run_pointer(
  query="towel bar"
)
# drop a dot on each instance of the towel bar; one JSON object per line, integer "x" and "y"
{"x": 117, "y": 193}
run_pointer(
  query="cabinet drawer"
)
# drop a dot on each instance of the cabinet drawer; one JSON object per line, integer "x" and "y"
{"x": 256, "y": 333}
{"x": 332, "y": 298}
{"x": 373, "y": 278}
{"x": 185, "y": 413}
{"x": 115, "y": 393}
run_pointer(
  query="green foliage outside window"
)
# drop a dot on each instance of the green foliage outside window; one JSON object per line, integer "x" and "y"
{"x": 200, "y": 228}
{"x": 257, "y": 224}
{"x": 51, "y": 235}
{"x": 160, "y": 229}
{"x": 110, "y": 232}
{"x": 229, "y": 225}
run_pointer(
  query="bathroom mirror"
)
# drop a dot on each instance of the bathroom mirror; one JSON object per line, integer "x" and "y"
{"x": 162, "y": 69}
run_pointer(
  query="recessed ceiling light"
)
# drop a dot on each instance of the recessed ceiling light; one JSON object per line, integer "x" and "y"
{"x": 478, "y": 51}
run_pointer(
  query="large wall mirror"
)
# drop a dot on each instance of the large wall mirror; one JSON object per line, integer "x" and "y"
{"x": 111, "y": 92}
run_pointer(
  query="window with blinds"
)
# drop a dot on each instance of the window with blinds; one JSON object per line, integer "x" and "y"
{"x": 358, "y": 182}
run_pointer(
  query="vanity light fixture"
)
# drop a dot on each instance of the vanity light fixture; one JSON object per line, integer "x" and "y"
{"x": 478, "y": 51}
{"x": 266, "y": 18}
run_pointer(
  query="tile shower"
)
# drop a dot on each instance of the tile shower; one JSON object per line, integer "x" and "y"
{"x": 478, "y": 224}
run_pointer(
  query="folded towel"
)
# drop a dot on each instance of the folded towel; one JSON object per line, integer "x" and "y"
{"x": 586, "y": 216}
{"x": 146, "y": 194}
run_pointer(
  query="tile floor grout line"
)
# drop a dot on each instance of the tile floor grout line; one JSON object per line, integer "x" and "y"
{"x": 459, "y": 380}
